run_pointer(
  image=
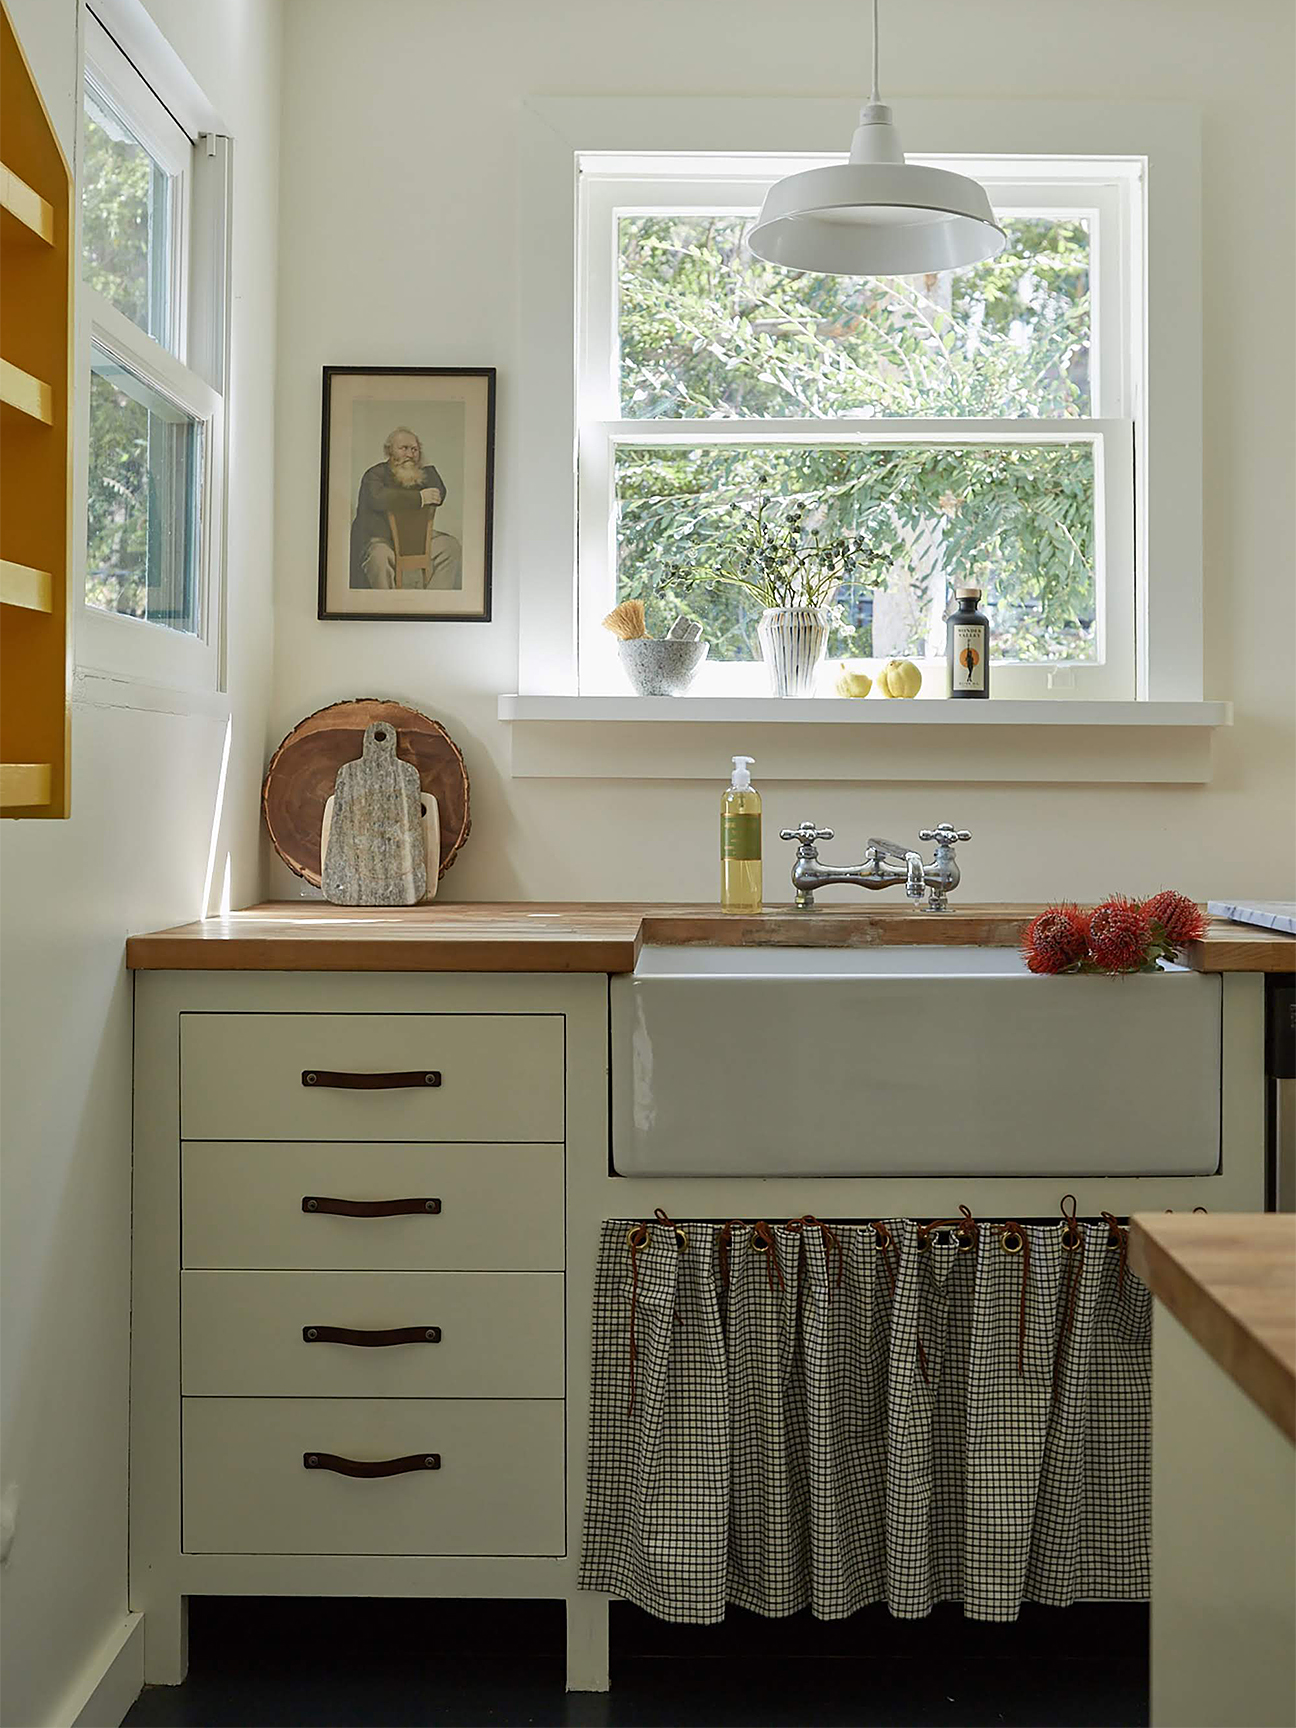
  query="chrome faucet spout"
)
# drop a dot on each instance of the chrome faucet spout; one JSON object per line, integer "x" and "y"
{"x": 885, "y": 865}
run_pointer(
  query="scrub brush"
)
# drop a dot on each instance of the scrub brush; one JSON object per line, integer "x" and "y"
{"x": 627, "y": 621}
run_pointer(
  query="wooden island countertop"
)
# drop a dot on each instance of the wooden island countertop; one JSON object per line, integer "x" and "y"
{"x": 1230, "y": 1281}
{"x": 314, "y": 936}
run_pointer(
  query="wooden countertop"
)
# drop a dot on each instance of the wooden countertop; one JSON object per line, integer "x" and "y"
{"x": 1230, "y": 1280}
{"x": 314, "y": 936}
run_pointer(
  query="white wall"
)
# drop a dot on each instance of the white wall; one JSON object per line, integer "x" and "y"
{"x": 133, "y": 856}
{"x": 413, "y": 105}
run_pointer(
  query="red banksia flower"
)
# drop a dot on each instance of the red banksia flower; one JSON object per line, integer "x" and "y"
{"x": 1179, "y": 917}
{"x": 1055, "y": 939}
{"x": 1119, "y": 934}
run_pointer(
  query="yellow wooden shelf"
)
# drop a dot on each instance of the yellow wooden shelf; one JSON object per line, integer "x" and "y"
{"x": 20, "y": 585}
{"x": 26, "y": 205}
{"x": 37, "y": 277}
{"x": 32, "y": 396}
{"x": 24, "y": 783}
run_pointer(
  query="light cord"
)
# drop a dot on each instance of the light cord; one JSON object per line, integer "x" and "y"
{"x": 874, "y": 97}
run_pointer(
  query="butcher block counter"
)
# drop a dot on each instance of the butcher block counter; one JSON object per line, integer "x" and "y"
{"x": 314, "y": 936}
{"x": 1231, "y": 1283}
{"x": 1223, "y": 1466}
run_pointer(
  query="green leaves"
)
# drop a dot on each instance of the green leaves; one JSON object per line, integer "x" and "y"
{"x": 707, "y": 332}
{"x": 910, "y": 521}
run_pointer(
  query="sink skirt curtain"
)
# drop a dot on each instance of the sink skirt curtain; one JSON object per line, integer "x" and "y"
{"x": 789, "y": 1416}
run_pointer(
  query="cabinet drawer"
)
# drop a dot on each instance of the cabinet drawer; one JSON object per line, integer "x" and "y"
{"x": 500, "y": 1076}
{"x": 494, "y": 1334}
{"x": 501, "y": 1207}
{"x": 499, "y": 1488}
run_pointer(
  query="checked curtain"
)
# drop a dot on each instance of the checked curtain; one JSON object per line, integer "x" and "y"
{"x": 834, "y": 1415}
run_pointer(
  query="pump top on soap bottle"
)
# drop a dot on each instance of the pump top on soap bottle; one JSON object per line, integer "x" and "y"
{"x": 740, "y": 841}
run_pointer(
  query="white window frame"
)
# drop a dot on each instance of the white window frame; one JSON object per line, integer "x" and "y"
{"x": 1162, "y": 138}
{"x": 191, "y": 370}
{"x": 1107, "y": 194}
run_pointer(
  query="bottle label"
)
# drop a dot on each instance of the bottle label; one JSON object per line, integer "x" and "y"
{"x": 969, "y": 656}
{"x": 740, "y": 839}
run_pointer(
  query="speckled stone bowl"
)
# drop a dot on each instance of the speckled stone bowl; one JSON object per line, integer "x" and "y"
{"x": 661, "y": 668}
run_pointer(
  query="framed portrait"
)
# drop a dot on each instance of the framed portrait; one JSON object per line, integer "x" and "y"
{"x": 406, "y": 492}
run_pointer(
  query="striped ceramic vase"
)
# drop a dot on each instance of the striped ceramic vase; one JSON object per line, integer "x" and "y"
{"x": 794, "y": 640}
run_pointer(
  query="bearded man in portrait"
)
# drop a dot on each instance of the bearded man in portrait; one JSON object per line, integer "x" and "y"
{"x": 395, "y": 518}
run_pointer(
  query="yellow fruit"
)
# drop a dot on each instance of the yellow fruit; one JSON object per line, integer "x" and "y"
{"x": 852, "y": 683}
{"x": 899, "y": 678}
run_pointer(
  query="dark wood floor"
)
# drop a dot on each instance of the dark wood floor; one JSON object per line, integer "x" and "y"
{"x": 270, "y": 1663}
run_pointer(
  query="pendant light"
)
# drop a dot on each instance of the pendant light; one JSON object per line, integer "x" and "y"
{"x": 876, "y": 215}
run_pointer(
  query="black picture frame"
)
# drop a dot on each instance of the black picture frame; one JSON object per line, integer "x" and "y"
{"x": 470, "y": 603}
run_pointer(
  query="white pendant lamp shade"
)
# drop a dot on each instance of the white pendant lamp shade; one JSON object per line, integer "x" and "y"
{"x": 876, "y": 215}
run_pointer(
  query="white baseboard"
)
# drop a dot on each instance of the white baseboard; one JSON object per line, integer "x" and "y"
{"x": 109, "y": 1683}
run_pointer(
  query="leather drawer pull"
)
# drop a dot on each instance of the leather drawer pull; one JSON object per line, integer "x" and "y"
{"x": 372, "y": 1467}
{"x": 371, "y": 1082}
{"x": 367, "y": 1208}
{"x": 373, "y": 1339}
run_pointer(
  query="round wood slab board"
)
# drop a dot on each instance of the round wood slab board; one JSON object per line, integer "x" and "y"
{"x": 303, "y": 772}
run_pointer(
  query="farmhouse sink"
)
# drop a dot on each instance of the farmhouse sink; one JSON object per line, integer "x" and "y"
{"x": 909, "y": 1061}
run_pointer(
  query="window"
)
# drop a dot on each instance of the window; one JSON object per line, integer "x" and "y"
{"x": 153, "y": 222}
{"x": 974, "y": 426}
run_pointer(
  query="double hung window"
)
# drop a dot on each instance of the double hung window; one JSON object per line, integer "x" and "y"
{"x": 975, "y": 427}
{"x": 153, "y": 229}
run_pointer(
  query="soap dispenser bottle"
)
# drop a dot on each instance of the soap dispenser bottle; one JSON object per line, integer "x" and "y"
{"x": 740, "y": 841}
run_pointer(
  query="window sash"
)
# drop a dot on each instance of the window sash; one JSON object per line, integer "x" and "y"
{"x": 114, "y": 80}
{"x": 143, "y": 648}
{"x": 1108, "y": 201}
{"x": 190, "y": 370}
{"x": 1110, "y": 676}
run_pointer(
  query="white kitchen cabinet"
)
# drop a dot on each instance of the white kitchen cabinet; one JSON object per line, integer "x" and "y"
{"x": 231, "y": 1264}
{"x": 351, "y": 1309}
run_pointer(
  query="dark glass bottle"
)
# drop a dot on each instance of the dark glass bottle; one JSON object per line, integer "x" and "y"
{"x": 967, "y": 647}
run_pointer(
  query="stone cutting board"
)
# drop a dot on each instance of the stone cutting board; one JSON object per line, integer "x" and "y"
{"x": 375, "y": 851}
{"x": 431, "y": 839}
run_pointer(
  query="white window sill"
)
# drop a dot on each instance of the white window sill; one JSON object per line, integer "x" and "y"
{"x": 823, "y": 738}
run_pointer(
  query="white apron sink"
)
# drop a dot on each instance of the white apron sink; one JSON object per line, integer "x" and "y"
{"x": 909, "y": 1061}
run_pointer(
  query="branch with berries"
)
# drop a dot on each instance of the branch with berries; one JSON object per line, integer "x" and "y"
{"x": 1119, "y": 937}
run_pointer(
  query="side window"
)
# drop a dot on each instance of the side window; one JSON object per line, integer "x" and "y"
{"x": 152, "y": 200}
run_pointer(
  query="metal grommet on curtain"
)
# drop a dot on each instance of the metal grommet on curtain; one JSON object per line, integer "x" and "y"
{"x": 962, "y": 1231}
{"x": 831, "y": 1245}
{"x": 637, "y": 1237}
{"x": 722, "y": 1247}
{"x": 1014, "y": 1240}
{"x": 681, "y": 1235}
{"x": 762, "y": 1241}
{"x": 1073, "y": 1242}
{"x": 968, "y": 1232}
{"x": 890, "y": 1253}
{"x": 1071, "y": 1237}
{"x": 1118, "y": 1237}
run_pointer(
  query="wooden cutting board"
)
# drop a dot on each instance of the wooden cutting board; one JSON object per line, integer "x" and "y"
{"x": 303, "y": 772}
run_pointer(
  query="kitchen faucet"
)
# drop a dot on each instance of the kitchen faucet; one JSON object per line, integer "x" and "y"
{"x": 885, "y": 865}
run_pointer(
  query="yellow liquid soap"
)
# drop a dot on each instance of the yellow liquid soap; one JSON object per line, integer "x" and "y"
{"x": 740, "y": 842}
